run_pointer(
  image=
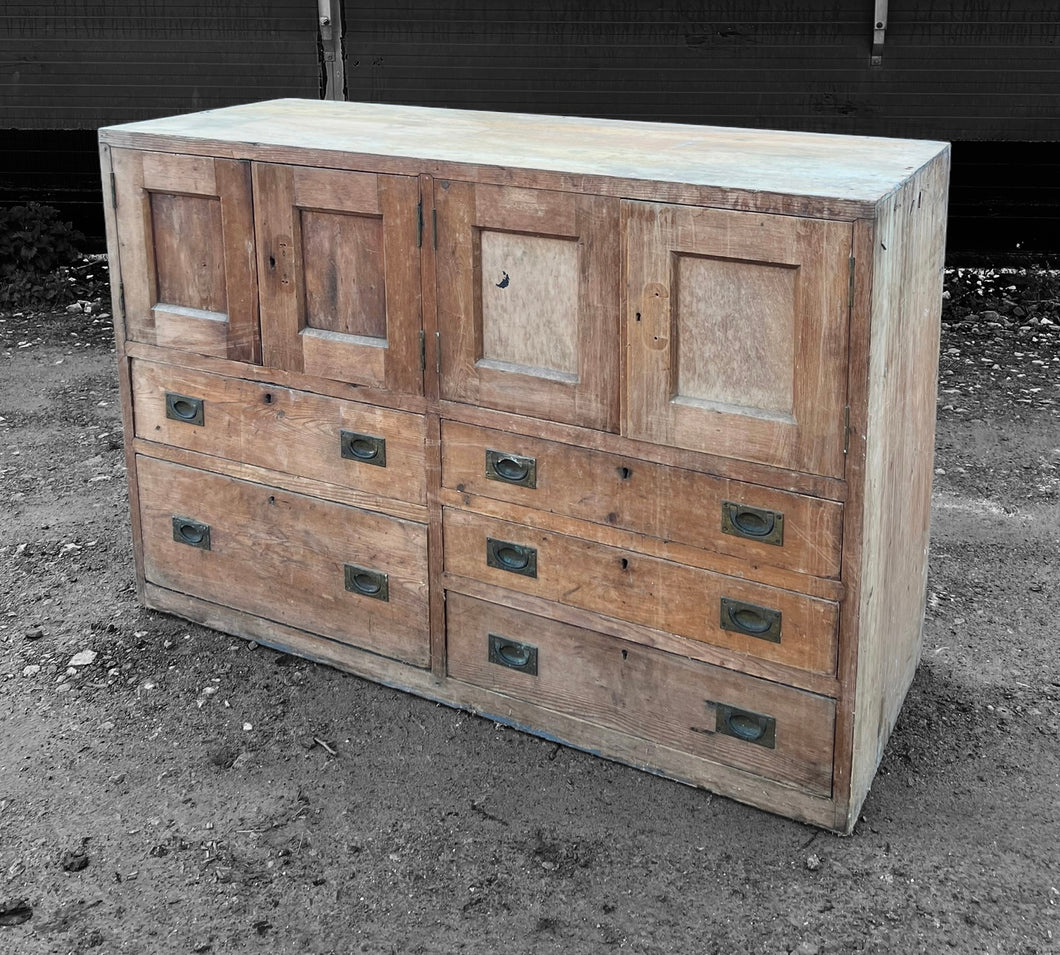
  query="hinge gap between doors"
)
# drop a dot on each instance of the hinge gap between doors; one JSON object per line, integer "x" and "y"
{"x": 846, "y": 430}
{"x": 850, "y": 284}
{"x": 423, "y": 350}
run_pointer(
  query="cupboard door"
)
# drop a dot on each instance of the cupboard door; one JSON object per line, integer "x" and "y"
{"x": 340, "y": 278}
{"x": 737, "y": 334}
{"x": 528, "y": 301}
{"x": 186, "y": 246}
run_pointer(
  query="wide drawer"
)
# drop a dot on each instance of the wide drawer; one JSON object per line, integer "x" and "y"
{"x": 742, "y": 520}
{"x": 717, "y": 714}
{"x": 327, "y": 439}
{"x": 773, "y": 624}
{"x": 343, "y": 573}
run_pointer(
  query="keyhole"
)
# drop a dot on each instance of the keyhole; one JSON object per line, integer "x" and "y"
{"x": 272, "y": 261}
{"x": 638, "y": 316}
{"x": 268, "y": 399}
{"x": 625, "y": 564}
{"x": 625, "y": 473}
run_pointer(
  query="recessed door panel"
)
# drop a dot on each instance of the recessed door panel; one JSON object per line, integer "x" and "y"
{"x": 338, "y": 254}
{"x": 737, "y": 334}
{"x": 528, "y": 301}
{"x": 185, "y": 228}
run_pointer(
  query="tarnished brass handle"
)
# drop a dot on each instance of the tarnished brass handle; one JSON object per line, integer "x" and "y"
{"x": 191, "y": 532}
{"x": 515, "y": 558}
{"x": 740, "y": 617}
{"x": 752, "y": 523}
{"x": 513, "y": 655}
{"x": 367, "y": 448}
{"x": 367, "y": 582}
{"x": 745, "y": 725}
{"x": 184, "y": 408}
{"x": 511, "y": 468}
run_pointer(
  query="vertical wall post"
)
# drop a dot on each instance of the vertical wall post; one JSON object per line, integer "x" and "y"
{"x": 329, "y": 21}
{"x": 879, "y": 31}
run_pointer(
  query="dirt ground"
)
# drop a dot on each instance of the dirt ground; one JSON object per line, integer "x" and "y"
{"x": 183, "y": 793}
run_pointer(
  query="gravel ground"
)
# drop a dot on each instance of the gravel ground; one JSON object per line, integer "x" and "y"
{"x": 165, "y": 789}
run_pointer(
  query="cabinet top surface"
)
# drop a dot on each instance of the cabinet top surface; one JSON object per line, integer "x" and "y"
{"x": 857, "y": 169}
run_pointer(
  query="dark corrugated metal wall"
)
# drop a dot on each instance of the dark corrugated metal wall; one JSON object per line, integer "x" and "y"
{"x": 71, "y": 64}
{"x": 951, "y": 69}
{"x": 985, "y": 73}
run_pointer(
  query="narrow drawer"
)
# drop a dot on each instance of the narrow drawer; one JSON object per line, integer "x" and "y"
{"x": 717, "y": 714}
{"x": 777, "y": 528}
{"x": 773, "y": 624}
{"x": 337, "y": 571}
{"x": 328, "y": 439}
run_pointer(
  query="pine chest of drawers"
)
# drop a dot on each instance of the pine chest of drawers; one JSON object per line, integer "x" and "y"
{"x": 616, "y": 432}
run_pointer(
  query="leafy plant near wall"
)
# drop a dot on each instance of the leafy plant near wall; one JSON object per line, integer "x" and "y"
{"x": 41, "y": 265}
{"x": 34, "y": 239}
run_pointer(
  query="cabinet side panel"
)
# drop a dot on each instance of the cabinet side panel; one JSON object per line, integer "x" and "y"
{"x": 899, "y": 445}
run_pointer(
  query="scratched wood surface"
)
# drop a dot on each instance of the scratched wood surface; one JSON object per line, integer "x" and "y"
{"x": 188, "y": 272}
{"x": 270, "y": 548}
{"x": 646, "y": 590}
{"x": 896, "y": 436}
{"x": 528, "y": 302}
{"x": 281, "y": 429}
{"x": 659, "y": 696}
{"x": 855, "y": 172}
{"x": 721, "y": 364}
{"x": 339, "y": 265}
{"x": 628, "y": 492}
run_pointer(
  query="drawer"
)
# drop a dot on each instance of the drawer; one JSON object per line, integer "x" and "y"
{"x": 777, "y": 528}
{"x": 773, "y": 624}
{"x": 346, "y": 574}
{"x": 717, "y": 714}
{"x": 328, "y": 439}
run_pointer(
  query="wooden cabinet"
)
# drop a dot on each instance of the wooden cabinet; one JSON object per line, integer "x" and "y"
{"x": 617, "y": 432}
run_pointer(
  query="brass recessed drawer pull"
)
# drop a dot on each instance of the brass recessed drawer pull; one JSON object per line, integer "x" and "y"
{"x": 368, "y": 448}
{"x": 513, "y": 655}
{"x": 191, "y": 532}
{"x": 184, "y": 408}
{"x": 754, "y": 523}
{"x": 750, "y": 619}
{"x": 745, "y": 725}
{"x": 511, "y": 468}
{"x": 367, "y": 582}
{"x": 515, "y": 558}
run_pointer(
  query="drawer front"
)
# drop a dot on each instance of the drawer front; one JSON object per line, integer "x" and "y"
{"x": 773, "y": 624}
{"x": 328, "y": 439}
{"x": 755, "y": 725}
{"x": 343, "y": 573}
{"x": 793, "y": 531}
